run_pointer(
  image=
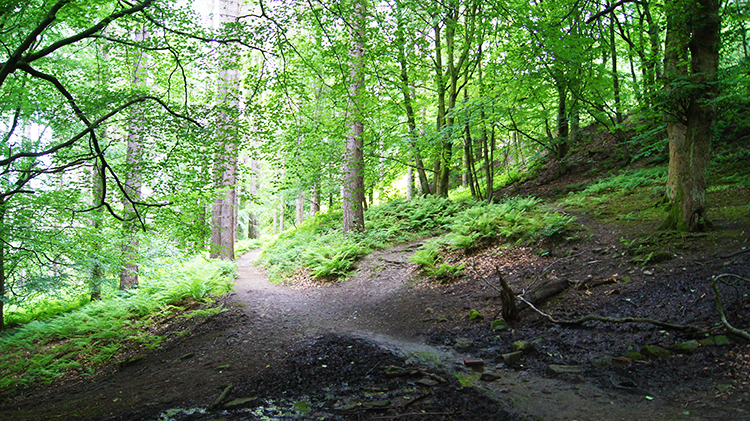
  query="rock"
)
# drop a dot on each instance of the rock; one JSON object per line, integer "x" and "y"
{"x": 685, "y": 348}
{"x": 602, "y": 362}
{"x": 463, "y": 344}
{"x": 475, "y": 315}
{"x": 634, "y": 355}
{"x": 500, "y": 325}
{"x": 427, "y": 382}
{"x": 710, "y": 341}
{"x": 655, "y": 352}
{"x": 241, "y": 403}
{"x": 526, "y": 347}
{"x": 721, "y": 340}
{"x": 489, "y": 377}
{"x": 648, "y": 273}
{"x": 559, "y": 369}
{"x": 513, "y": 357}
{"x": 476, "y": 364}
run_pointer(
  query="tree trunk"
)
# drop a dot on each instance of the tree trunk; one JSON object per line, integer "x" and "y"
{"x": 315, "y": 207}
{"x": 97, "y": 272}
{"x": 562, "y": 127}
{"x": 133, "y": 179}
{"x": 354, "y": 165}
{"x": 300, "y": 208}
{"x": 223, "y": 214}
{"x": 2, "y": 265}
{"x": 690, "y": 127}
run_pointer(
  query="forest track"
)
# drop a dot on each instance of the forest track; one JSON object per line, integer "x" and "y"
{"x": 269, "y": 338}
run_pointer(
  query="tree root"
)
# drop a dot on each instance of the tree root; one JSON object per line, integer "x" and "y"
{"x": 720, "y": 308}
{"x": 592, "y": 318}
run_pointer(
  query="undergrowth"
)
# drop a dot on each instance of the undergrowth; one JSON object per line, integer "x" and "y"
{"x": 319, "y": 246}
{"x": 81, "y": 339}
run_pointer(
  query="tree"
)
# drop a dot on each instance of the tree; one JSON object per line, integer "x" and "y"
{"x": 691, "y": 66}
{"x": 223, "y": 213}
{"x": 353, "y": 184}
{"x": 133, "y": 174}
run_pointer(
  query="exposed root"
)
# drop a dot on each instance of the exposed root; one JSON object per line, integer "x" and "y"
{"x": 720, "y": 308}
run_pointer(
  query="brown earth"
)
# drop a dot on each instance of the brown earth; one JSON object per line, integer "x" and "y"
{"x": 382, "y": 345}
{"x": 388, "y": 343}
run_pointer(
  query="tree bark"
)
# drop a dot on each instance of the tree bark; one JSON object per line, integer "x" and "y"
{"x": 223, "y": 214}
{"x": 2, "y": 264}
{"x": 692, "y": 26}
{"x": 133, "y": 179}
{"x": 300, "y": 208}
{"x": 353, "y": 187}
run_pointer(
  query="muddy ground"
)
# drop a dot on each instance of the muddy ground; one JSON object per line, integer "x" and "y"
{"x": 388, "y": 343}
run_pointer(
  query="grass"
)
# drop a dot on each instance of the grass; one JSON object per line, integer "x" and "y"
{"x": 83, "y": 338}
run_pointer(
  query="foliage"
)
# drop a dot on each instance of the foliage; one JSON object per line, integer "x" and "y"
{"x": 81, "y": 339}
{"x": 513, "y": 219}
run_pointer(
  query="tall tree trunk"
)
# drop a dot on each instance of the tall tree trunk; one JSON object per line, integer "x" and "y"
{"x": 445, "y": 147}
{"x": 300, "y": 208}
{"x": 253, "y": 225}
{"x": 2, "y": 264}
{"x": 223, "y": 213}
{"x": 315, "y": 207}
{"x": 97, "y": 272}
{"x": 694, "y": 26}
{"x": 562, "y": 127}
{"x": 133, "y": 179}
{"x": 353, "y": 186}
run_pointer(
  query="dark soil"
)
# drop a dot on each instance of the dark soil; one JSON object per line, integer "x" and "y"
{"x": 388, "y": 343}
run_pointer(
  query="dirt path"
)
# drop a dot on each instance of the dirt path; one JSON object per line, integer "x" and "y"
{"x": 269, "y": 342}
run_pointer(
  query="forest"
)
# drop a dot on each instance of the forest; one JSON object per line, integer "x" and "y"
{"x": 149, "y": 144}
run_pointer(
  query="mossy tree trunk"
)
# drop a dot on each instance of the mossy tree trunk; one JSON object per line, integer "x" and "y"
{"x": 693, "y": 27}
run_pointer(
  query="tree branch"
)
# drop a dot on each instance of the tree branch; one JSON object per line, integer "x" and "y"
{"x": 10, "y": 65}
{"x": 610, "y": 9}
{"x": 88, "y": 32}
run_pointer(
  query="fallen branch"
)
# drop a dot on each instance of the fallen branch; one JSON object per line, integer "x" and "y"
{"x": 221, "y": 397}
{"x": 720, "y": 308}
{"x": 735, "y": 253}
{"x": 592, "y": 318}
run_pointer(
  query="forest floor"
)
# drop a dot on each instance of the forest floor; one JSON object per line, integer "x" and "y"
{"x": 388, "y": 343}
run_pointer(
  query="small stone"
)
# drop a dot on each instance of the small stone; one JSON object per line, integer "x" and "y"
{"x": 476, "y": 364}
{"x": 489, "y": 377}
{"x": 475, "y": 315}
{"x": 721, "y": 340}
{"x": 427, "y": 382}
{"x": 559, "y": 369}
{"x": 602, "y": 362}
{"x": 500, "y": 325}
{"x": 524, "y": 346}
{"x": 463, "y": 344}
{"x": 512, "y": 357}
{"x": 685, "y": 348}
{"x": 655, "y": 352}
{"x": 240, "y": 403}
{"x": 648, "y": 273}
{"x": 634, "y": 355}
{"x": 710, "y": 341}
